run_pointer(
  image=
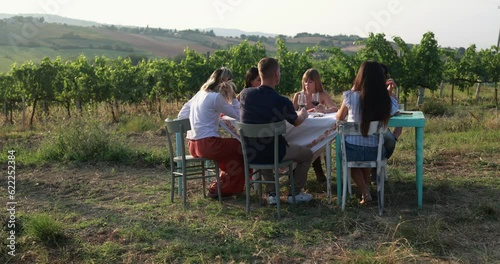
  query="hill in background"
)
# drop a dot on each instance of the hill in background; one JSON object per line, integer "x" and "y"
{"x": 33, "y": 37}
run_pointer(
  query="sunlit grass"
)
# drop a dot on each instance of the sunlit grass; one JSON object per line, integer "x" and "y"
{"x": 115, "y": 212}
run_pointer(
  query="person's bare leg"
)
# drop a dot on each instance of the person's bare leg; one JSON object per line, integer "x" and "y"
{"x": 358, "y": 175}
{"x": 366, "y": 175}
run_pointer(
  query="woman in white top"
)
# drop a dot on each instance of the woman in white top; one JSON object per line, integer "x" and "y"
{"x": 216, "y": 96}
{"x": 367, "y": 101}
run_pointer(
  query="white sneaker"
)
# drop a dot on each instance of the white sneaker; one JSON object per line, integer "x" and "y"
{"x": 272, "y": 200}
{"x": 300, "y": 198}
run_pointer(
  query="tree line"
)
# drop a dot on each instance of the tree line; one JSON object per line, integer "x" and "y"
{"x": 82, "y": 83}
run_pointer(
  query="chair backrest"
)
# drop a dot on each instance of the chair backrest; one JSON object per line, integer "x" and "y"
{"x": 264, "y": 131}
{"x": 174, "y": 127}
{"x": 353, "y": 129}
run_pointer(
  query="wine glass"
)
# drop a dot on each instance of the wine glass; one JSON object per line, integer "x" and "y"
{"x": 315, "y": 99}
{"x": 302, "y": 101}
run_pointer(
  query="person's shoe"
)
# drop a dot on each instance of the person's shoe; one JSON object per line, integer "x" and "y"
{"x": 212, "y": 195}
{"x": 366, "y": 198}
{"x": 272, "y": 199}
{"x": 300, "y": 198}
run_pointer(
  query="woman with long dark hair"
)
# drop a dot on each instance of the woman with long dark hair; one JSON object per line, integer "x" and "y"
{"x": 252, "y": 79}
{"x": 367, "y": 101}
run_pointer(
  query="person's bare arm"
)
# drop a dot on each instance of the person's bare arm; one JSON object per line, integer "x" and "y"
{"x": 327, "y": 104}
{"x": 302, "y": 115}
{"x": 295, "y": 101}
{"x": 342, "y": 112}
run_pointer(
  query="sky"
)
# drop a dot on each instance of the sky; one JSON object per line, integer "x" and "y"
{"x": 455, "y": 23}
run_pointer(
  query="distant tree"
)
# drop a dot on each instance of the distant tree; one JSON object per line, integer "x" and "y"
{"x": 253, "y": 38}
{"x": 450, "y": 69}
{"x": 239, "y": 59}
{"x": 45, "y": 78}
{"x": 8, "y": 96}
{"x": 24, "y": 79}
{"x": 379, "y": 49}
{"x": 161, "y": 76}
{"x": 302, "y": 35}
{"x": 336, "y": 67}
{"x": 192, "y": 71}
{"x": 80, "y": 81}
{"x": 421, "y": 65}
{"x": 461, "y": 51}
{"x": 293, "y": 65}
{"x": 490, "y": 59}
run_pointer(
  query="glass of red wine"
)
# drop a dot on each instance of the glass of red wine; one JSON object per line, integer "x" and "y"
{"x": 315, "y": 99}
{"x": 302, "y": 101}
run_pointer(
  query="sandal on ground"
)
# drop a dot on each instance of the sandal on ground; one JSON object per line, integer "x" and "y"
{"x": 366, "y": 198}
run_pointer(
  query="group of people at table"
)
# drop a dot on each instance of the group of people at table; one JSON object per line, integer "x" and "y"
{"x": 370, "y": 99}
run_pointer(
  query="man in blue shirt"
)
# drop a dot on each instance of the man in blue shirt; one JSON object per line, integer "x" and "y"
{"x": 262, "y": 105}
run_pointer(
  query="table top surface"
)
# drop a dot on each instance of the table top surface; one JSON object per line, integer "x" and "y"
{"x": 408, "y": 119}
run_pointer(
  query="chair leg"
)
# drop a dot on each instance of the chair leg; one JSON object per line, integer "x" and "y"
{"x": 277, "y": 189}
{"x": 257, "y": 187}
{"x": 172, "y": 188}
{"x": 217, "y": 179}
{"x": 380, "y": 190}
{"x": 247, "y": 191}
{"x": 345, "y": 182}
{"x": 292, "y": 182}
{"x": 184, "y": 189}
{"x": 349, "y": 179}
{"x": 204, "y": 178}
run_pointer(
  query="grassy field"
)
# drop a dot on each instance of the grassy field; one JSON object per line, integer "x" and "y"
{"x": 90, "y": 191}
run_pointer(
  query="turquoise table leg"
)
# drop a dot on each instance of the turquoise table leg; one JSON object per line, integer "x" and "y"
{"x": 338, "y": 158}
{"x": 178, "y": 146}
{"x": 419, "y": 152}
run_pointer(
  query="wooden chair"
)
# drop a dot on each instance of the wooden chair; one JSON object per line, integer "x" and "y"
{"x": 264, "y": 132}
{"x": 186, "y": 167}
{"x": 353, "y": 129}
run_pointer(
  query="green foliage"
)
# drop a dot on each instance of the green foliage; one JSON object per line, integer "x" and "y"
{"x": 239, "y": 59}
{"x": 84, "y": 83}
{"x": 377, "y": 48}
{"x": 137, "y": 123}
{"x": 82, "y": 140}
{"x": 426, "y": 232}
{"x": 44, "y": 228}
{"x": 428, "y": 70}
{"x": 108, "y": 252}
{"x": 337, "y": 70}
{"x": 293, "y": 65}
{"x": 434, "y": 108}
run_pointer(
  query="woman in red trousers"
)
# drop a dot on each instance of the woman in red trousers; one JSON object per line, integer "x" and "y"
{"x": 216, "y": 96}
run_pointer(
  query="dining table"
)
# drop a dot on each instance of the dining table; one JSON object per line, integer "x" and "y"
{"x": 319, "y": 130}
{"x": 413, "y": 119}
{"x": 316, "y": 132}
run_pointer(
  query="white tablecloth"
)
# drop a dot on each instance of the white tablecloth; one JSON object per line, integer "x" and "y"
{"x": 311, "y": 133}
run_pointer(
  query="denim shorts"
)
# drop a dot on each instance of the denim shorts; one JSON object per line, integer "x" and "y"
{"x": 362, "y": 153}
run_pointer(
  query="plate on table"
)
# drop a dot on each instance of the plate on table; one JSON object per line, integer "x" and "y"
{"x": 316, "y": 115}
